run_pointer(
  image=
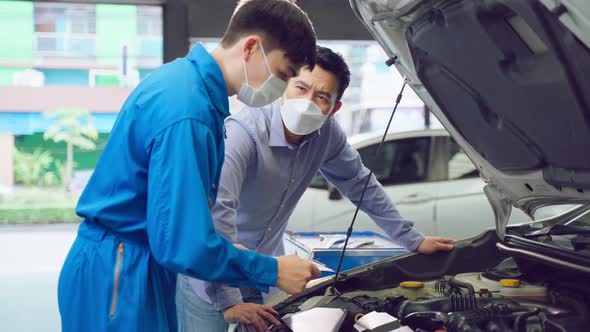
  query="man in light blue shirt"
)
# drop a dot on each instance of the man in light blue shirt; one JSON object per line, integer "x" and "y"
{"x": 272, "y": 153}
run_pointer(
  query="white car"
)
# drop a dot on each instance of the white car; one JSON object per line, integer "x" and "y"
{"x": 424, "y": 172}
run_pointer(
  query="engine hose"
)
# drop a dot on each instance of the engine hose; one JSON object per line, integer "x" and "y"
{"x": 443, "y": 287}
{"x": 463, "y": 302}
{"x": 520, "y": 319}
{"x": 461, "y": 284}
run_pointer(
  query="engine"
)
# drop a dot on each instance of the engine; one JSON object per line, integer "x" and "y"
{"x": 499, "y": 299}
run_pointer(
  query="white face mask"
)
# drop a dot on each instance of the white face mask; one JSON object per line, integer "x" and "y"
{"x": 270, "y": 90}
{"x": 302, "y": 116}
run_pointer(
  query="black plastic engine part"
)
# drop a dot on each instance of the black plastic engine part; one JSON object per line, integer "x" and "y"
{"x": 572, "y": 297}
{"x": 455, "y": 302}
{"x": 427, "y": 320}
{"x": 364, "y": 304}
{"x": 507, "y": 269}
{"x": 477, "y": 320}
{"x": 461, "y": 303}
{"x": 581, "y": 242}
{"x": 489, "y": 318}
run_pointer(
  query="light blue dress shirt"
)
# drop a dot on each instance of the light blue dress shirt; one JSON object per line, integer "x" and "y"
{"x": 264, "y": 177}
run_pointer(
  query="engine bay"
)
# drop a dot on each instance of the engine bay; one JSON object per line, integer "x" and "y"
{"x": 499, "y": 299}
{"x": 478, "y": 287}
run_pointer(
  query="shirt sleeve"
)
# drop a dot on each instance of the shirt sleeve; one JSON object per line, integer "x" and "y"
{"x": 240, "y": 154}
{"x": 345, "y": 170}
{"x": 181, "y": 234}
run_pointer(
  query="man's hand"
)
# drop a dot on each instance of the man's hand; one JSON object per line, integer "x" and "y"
{"x": 294, "y": 273}
{"x": 430, "y": 245}
{"x": 252, "y": 314}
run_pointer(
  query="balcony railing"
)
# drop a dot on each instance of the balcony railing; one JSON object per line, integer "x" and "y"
{"x": 56, "y": 44}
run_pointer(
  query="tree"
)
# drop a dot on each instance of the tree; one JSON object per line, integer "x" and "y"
{"x": 31, "y": 169}
{"x": 76, "y": 128}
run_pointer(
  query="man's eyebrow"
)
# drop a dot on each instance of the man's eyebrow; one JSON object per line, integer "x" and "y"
{"x": 302, "y": 83}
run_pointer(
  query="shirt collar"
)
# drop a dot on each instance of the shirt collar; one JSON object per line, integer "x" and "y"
{"x": 212, "y": 76}
{"x": 277, "y": 132}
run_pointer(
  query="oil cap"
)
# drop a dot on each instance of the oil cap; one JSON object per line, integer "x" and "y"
{"x": 511, "y": 283}
{"x": 411, "y": 284}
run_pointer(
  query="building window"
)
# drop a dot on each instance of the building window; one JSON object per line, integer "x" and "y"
{"x": 149, "y": 31}
{"x": 65, "y": 30}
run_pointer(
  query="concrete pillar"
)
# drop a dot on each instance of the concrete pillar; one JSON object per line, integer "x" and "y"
{"x": 6, "y": 160}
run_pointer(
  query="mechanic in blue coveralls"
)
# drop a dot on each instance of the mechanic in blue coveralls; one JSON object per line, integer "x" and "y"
{"x": 146, "y": 208}
{"x": 272, "y": 154}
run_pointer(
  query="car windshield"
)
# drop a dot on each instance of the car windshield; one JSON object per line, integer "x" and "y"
{"x": 551, "y": 211}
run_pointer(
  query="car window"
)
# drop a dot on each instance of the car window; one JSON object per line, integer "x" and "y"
{"x": 400, "y": 161}
{"x": 459, "y": 165}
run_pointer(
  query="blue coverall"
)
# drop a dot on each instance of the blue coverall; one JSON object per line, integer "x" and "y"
{"x": 146, "y": 208}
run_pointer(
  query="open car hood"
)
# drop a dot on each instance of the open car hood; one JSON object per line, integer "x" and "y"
{"x": 510, "y": 81}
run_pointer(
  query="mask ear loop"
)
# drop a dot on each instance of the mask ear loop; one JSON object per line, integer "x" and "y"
{"x": 245, "y": 71}
{"x": 266, "y": 60}
{"x": 331, "y": 111}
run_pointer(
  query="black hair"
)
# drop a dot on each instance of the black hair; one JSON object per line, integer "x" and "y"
{"x": 282, "y": 24}
{"x": 335, "y": 64}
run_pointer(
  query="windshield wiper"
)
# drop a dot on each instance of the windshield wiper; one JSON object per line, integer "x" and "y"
{"x": 559, "y": 230}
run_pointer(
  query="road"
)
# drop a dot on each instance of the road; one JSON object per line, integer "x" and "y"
{"x": 31, "y": 257}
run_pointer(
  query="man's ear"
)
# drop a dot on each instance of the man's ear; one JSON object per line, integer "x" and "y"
{"x": 336, "y": 108}
{"x": 249, "y": 45}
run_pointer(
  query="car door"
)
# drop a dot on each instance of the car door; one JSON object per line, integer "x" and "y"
{"x": 402, "y": 167}
{"x": 462, "y": 209}
{"x": 302, "y": 218}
